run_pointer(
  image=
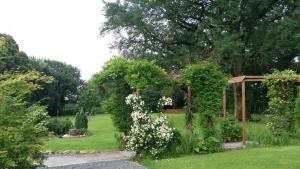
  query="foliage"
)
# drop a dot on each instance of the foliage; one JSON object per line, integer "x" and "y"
{"x": 280, "y": 94}
{"x": 66, "y": 78}
{"x": 231, "y": 131}
{"x": 65, "y": 87}
{"x": 147, "y": 136}
{"x": 115, "y": 88}
{"x": 187, "y": 143}
{"x": 209, "y": 145}
{"x": 151, "y": 97}
{"x": 91, "y": 96}
{"x": 115, "y": 105}
{"x": 20, "y": 145}
{"x": 207, "y": 83}
{"x": 297, "y": 110}
{"x": 81, "y": 120}
{"x": 70, "y": 109}
{"x": 38, "y": 116}
{"x": 119, "y": 78}
{"x": 247, "y": 37}
{"x": 143, "y": 74}
{"x": 59, "y": 126}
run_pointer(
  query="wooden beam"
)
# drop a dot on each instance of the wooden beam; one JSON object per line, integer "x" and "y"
{"x": 240, "y": 79}
{"x": 244, "y": 110}
{"x": 237, "y": 79}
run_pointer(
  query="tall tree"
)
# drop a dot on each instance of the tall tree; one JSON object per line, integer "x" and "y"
{"x": 246, "y": 37}
{"x": 65, "y": 87}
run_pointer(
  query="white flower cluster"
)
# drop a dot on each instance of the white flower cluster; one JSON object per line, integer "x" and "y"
{"x": 164, "y": 101}
{"x": 147, "y": 135}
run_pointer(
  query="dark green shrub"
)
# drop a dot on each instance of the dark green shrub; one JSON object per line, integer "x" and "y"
{"x": 59, "y": 126}
{"x": 231, "y": 131}
{"x": 209, "y": 145}
{"x": 120, "y": 111}
{"x": 151, "y": 97}
{"x": 38, "y": 116}
{"x": 81, "y": 120}
{"x": 174, "y": 147}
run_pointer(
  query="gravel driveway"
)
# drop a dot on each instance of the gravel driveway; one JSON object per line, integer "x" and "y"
{"x": 119, "y": 164}
{"x": 105, "y": 160}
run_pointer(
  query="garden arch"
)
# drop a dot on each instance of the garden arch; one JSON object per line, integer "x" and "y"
{"x": 243, "y": 80}
{"x": 188, "y": 111}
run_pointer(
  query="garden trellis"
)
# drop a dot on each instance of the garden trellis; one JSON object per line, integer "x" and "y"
{"x": 243, "y": 80}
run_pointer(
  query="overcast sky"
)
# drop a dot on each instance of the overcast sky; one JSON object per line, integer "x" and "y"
{"x": 64, "y": 30}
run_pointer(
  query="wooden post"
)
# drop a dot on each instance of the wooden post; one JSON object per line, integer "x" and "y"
{"x": 189, "y": 122}
{"x": 137, "y": 92}
{"x": 224, "y": 101}
{"x": 244, "y": 110}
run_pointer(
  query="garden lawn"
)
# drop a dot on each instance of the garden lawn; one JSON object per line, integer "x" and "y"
{"x": 102, "y": 138}
{"x": 286, "y": 157}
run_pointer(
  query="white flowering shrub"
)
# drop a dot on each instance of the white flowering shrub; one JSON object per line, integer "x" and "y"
{"x": 164, "y": 101}
{"x": 148, "y": 136}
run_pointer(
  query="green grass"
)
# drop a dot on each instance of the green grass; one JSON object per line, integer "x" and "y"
{"x": 102, "y": 138}
{"x": 253, "y": 158}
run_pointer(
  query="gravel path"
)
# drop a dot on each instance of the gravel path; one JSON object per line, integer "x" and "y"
{"x": 120, "y": 164}
{"x": 105, "y": 160}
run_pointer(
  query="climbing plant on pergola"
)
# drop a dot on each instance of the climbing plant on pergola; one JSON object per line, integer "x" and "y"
{"x": 243, "y": 80}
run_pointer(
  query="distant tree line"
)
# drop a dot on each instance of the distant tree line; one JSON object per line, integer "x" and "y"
{"x": 64, "y": 88}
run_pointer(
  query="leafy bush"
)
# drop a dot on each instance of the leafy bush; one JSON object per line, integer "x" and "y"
{"x": 59, "y": 126}
{"x": 81, "y": 120}
{"x": 231, "y": 130}
{"x": 174, "y": 146}
{"x": 119, "y": 78}
{"x": 112, "y": 81}
{"x": 116, "y": 106}
{"x": 209, "y": 145}
{"x": 38, "y": 116}
{"x": 187, "y": 143}
{"x": 143, "y": 74}
{"x": 20, "y": 144}
{"x": 151, "y": 97}
{"x": 280, "y": 94}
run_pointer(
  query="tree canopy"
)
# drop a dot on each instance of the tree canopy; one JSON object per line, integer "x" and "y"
{"x": 245, "y": 37}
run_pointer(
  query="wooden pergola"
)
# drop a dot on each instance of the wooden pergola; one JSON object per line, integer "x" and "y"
{"x": 243, "y": 80}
